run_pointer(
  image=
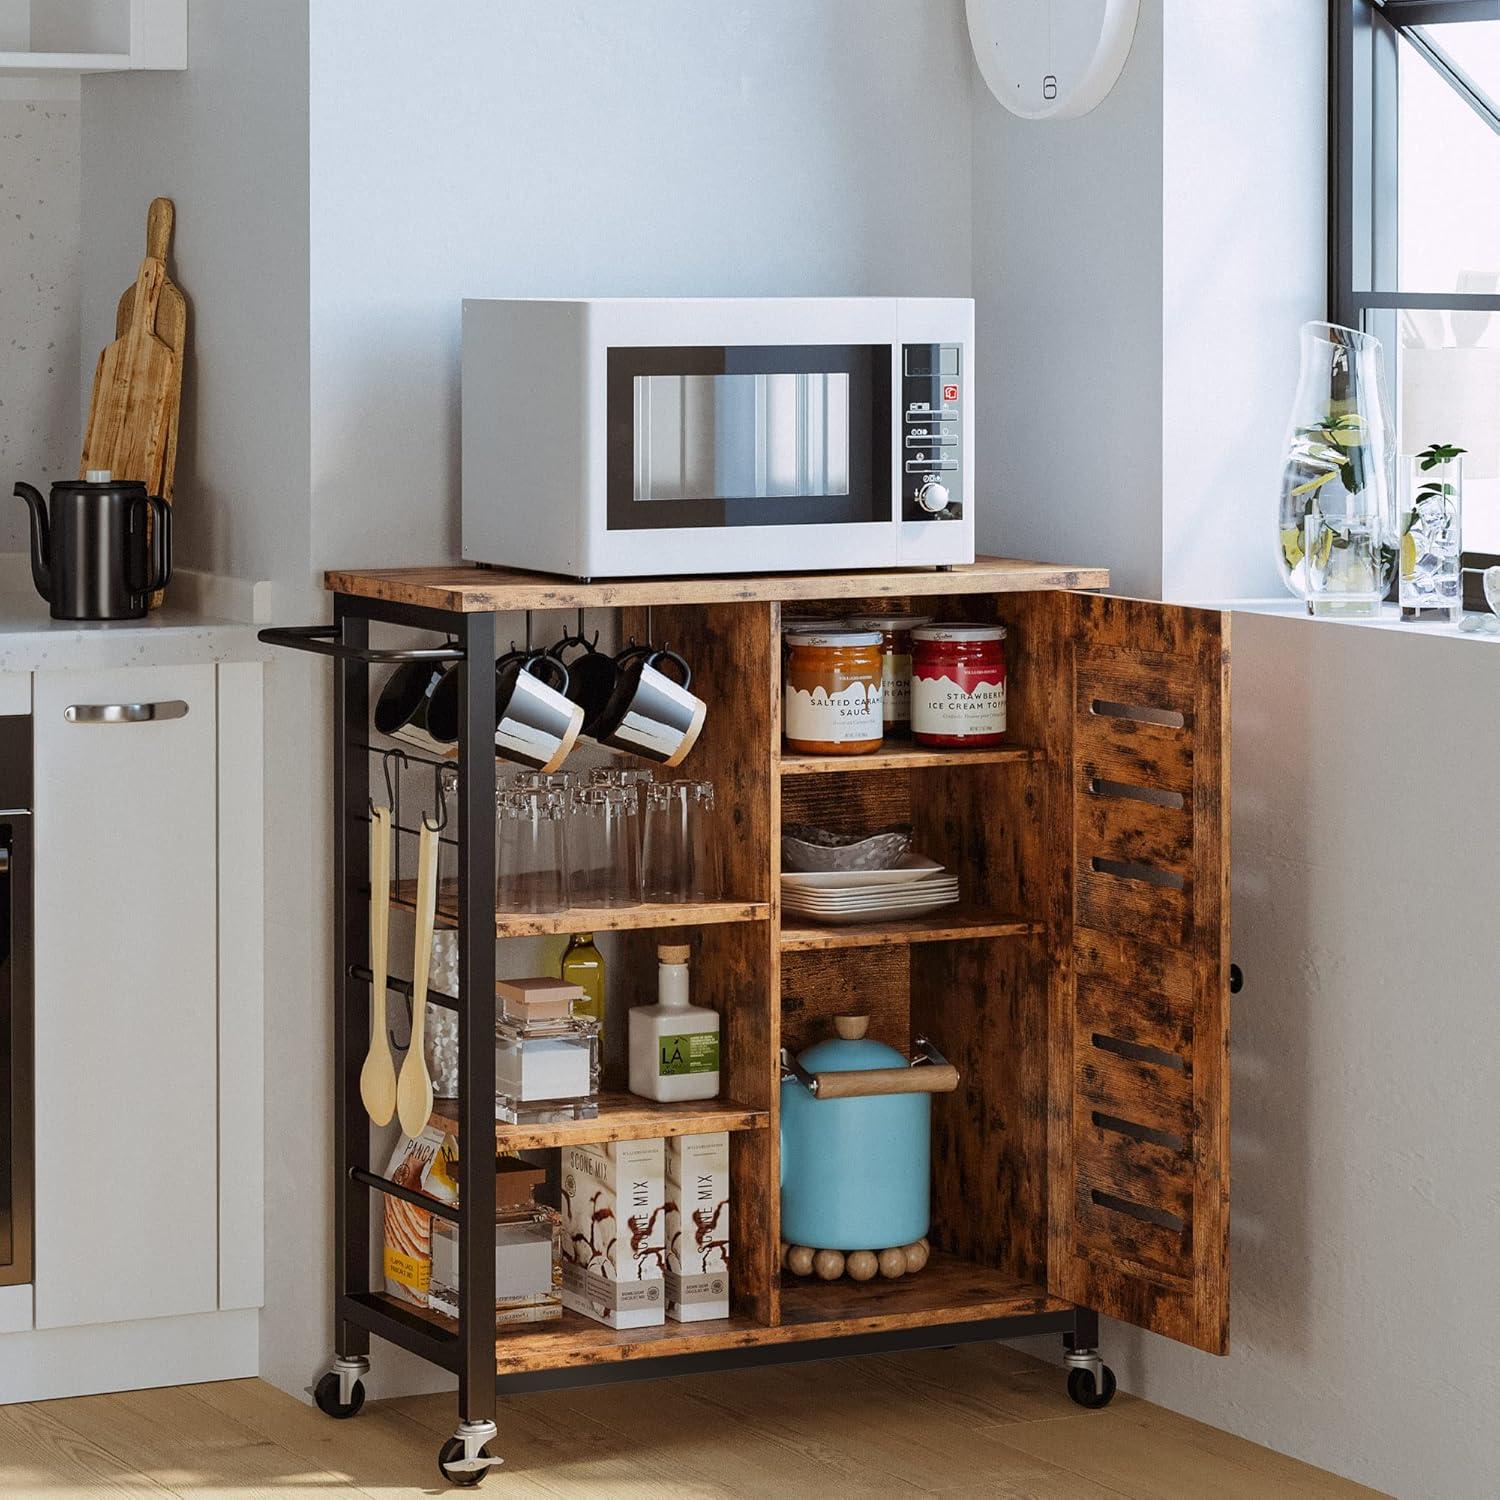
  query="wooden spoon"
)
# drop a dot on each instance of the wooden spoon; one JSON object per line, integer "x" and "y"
{"x": 377, "y": 1079}
{"x": 414, "y": 1089}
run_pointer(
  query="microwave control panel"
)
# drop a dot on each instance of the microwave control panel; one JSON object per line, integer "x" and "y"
{"x": 931, "y": 432}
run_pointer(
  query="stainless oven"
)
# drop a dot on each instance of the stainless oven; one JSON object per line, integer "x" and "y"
{"x": 16, "y": 1184}
{"x": 624, "y": 437}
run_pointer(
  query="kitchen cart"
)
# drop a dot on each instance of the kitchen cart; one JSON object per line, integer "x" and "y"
{"x": 1082, "y": 1165}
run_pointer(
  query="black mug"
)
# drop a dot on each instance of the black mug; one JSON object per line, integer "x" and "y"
{"x": 401, "y": 709}
{"x": 536, "y": 723}
{"x": 649, "y": 713}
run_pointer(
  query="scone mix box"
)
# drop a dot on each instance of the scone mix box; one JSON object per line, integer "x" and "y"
{"x": 614, "y": 1239}
{"x": 698, "y": 1227}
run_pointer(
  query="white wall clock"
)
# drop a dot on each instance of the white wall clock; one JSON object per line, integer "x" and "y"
{"x": 1051, "y": 59}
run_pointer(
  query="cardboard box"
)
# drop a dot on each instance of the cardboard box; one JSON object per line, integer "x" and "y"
{"x": 697, "y": 1224}
{"x": 614, "y": 1237}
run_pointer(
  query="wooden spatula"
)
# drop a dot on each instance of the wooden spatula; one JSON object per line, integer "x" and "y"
{"x": 414, "y": 1088}
{"x": 377, "y": 1079}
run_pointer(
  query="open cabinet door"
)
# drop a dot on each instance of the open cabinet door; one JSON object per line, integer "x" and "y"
{"x": 1138, "y": 1084}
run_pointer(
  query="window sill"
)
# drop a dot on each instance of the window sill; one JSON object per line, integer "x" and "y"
{"x": 1389, "y": 618}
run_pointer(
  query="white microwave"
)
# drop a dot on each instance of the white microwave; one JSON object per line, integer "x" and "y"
{"x": 637, "y": 436}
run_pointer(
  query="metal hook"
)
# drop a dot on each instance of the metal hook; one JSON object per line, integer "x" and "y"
{"x": 440, "y": 776}
{"x": 395, "y": 753}
{"x": 397, "y": 1045}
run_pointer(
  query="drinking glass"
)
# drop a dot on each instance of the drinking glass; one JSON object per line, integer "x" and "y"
{"x": 531, "y": 851}
{"x": 604, "y": 846}
{"x": 679, "y": 861}
{"x": 1431, "y": 585}
{"x": 1346, "y": 568}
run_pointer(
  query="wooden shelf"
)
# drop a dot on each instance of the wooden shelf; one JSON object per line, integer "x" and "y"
{"x": 592, "y": 918}
{"x": 901, "y": 757}
{"x": 945, "y": 1292}
{"x": 622, "y": 1117}
{"x": 479, "y": 590}
{"x": 953, "y": 925}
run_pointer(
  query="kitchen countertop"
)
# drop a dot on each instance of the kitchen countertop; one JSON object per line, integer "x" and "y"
{"x": 32, "y": 641}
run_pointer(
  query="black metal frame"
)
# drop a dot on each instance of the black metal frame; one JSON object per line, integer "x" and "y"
{"x": 1364, "y": 43}
{"x": 360, "y": 1309}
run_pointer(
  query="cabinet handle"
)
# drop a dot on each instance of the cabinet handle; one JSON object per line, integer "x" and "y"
{"x": 124, "y": 713}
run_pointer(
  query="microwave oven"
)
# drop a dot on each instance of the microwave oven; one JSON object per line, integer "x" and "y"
{"x": 627, "y": 437}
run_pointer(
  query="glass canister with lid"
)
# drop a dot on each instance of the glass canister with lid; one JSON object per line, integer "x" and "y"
{"x": 958, "y": 685}
{"x": 895, "y": 647}
{"x": 832, "y": 699}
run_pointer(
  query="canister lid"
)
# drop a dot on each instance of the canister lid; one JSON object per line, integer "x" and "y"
{"x": 851, "y": 1051}
{"x": 790, "y": 623}
{"x": 834, "y": 638}
{"x": 957, "y": 630}
{"x": 673, "y": 953}
{"x": 888, "y": 622}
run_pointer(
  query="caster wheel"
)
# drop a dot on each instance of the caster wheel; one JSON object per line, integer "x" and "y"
{"x": 451, "y": 1452}
{"x": 326, "y": 1394}
{"x": 1081, "y": 1388}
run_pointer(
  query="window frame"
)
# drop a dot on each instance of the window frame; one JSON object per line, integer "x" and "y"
{"x": 1364, "y": 43}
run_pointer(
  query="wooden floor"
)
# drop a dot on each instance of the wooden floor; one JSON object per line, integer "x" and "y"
{"x": 981, "y": 1420}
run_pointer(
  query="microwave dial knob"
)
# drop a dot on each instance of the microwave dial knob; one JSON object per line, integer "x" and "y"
{"x": 933, "y": 496}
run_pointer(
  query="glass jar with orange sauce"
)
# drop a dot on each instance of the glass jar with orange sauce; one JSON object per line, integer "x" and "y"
{"x": 832, "y": 699}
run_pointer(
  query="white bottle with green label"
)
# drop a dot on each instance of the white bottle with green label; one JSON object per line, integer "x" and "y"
{"x": 674, "y": 1046}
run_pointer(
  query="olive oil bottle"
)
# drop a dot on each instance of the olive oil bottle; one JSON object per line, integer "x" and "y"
{"x": 583, "y": 965}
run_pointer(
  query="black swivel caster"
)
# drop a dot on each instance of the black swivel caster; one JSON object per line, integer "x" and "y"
{"x": 328, "y": 1396}
{"x": 455, "y": 1451}
{"x": 1082, "y": 1389}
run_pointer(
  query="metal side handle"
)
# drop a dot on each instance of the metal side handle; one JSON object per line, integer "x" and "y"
{"x": 125, "y": 713}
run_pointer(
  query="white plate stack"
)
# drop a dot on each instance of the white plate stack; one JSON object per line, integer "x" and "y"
{"x": 912, "y": 888}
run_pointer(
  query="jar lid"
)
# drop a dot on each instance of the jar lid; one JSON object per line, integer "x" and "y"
{"x": 834, "y": 638}
{"x": 957, "y": 630}
{"x": 812, "y": 622}
{"x": 889, "y": 622}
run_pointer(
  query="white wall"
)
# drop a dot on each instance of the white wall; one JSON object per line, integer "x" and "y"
{"x": 580, "y": 149}
{"x": 41, "y": 434}
{"x": 227, "y": 141}
{"x": 1365, "y": 1325}
{"x": 1068, "y": 315}
{"x": 1139, "y": 278}
{"x": 1244, "y": 138}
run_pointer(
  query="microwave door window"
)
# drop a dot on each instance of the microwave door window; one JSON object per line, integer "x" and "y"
{"x": 741, "y": 437}
{"x": 726, "y": 437}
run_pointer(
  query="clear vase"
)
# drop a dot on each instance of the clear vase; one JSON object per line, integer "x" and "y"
{"x": 1431, "y": 585}
{"x": 1338, "y": 476}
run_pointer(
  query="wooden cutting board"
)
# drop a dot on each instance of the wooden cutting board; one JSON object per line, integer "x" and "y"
{"x": 133, "y": 414}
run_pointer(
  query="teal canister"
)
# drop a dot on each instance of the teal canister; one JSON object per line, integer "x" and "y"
{"x": 856, "y": 1136}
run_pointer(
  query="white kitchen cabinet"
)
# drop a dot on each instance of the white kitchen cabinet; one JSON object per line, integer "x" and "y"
{"x": 127, "y": 1031}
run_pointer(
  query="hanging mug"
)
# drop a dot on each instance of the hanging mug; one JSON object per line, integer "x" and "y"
{"x": 592, "y": 674}
{"x": 649, "y": 713}
{"x": 401, "y": 709}
{"x": 536, "y": 724}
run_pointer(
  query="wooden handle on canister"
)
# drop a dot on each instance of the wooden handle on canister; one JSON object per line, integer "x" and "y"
{"x": 935, "y": 1078}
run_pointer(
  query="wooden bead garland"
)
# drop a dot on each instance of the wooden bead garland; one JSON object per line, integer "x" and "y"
{"x": 858, "y": 1265}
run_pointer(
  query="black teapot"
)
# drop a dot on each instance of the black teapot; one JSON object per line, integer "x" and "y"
{"x": 93, "y": 560}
